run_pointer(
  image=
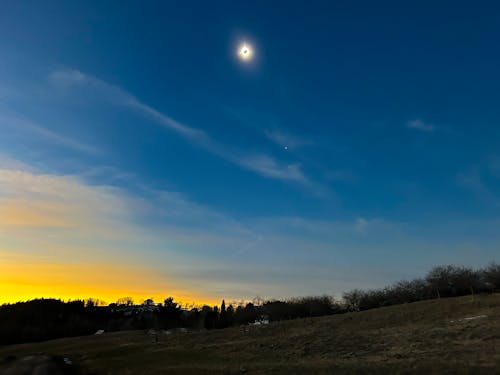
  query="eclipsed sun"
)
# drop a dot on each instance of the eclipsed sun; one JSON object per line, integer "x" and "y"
{"x": 245, "y": 52}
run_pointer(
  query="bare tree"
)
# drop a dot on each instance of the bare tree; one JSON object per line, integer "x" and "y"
{"x": 128, "y": 301}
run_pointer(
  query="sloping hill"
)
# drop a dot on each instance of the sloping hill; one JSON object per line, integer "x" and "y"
{"x": 455, "y": 335}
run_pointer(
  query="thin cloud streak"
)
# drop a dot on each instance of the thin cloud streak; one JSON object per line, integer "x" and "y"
{"x": 287, "y": 140}
{"x": 418, "y": 124}
{"x": 472, "y": 180}
{"x": 20, "y": 123}
{"x": 262, "y": 164}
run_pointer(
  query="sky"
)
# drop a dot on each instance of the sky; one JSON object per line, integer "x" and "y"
{"x": 141, "y": 156}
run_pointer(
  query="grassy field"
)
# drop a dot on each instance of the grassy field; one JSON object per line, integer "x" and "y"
{"x": 430, "y": 337}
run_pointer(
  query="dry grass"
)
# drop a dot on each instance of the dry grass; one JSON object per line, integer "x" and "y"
{"x": 413, "y": 338}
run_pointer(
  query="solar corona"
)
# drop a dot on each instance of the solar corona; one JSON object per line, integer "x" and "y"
{"x": 245, "y": 52}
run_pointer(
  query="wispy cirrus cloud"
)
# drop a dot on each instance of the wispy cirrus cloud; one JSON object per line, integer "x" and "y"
{"x": 268, "y": 167}
{"x": 473, "y": 179}
{"x": 286, "y": 139}
{"x": 20, "y": 124}
{"x": 262, "y": 164}
{"x": 481, "y": 179}
{"x": 420, "y": 125}
{"x": 9, "y": 163}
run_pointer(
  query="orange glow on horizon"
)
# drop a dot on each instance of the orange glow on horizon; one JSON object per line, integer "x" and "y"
{"x": 62, "y": 238}
{"x": 22, "y": 281}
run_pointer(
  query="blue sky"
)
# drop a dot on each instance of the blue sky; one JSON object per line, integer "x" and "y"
{"x": 359, "y": 146}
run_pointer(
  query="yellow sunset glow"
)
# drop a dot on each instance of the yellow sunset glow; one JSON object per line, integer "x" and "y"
{"x": 62, "y": 238}
{"x": 24, "y": 279}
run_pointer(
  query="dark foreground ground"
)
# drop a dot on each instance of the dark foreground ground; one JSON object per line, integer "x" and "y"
{"x": 455, "y": 336}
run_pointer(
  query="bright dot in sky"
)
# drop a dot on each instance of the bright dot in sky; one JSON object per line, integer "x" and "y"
{"x": 245, "y": 52}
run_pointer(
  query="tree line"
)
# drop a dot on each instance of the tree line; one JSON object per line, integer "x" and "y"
{"x": 44, "y": 319}
{"x": 440, "y": 282}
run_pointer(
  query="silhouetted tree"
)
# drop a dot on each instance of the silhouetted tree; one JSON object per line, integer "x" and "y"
{"x": 223, "y": 316}
{"x": 440, "y": 280}
{"x": 210, "y": 316}
{"x": 448, "y": 281}
{"x": 172, "y": 312}
{"x": 230, "y": 315}
{"x": 353, "y": 299}
{"x": 491, "y": 275}
{"x": 128, "y": 301}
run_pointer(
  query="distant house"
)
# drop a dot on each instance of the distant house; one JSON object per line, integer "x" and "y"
{"x": 148, "y": 305}
{"x": 264, "y": 319}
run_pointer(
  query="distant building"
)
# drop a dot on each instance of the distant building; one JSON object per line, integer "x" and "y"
{"x": 264, "y": 319}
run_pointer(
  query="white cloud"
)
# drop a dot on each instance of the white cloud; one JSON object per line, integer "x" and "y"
{"x": 19, "y": 123}
{"x": 285, "y": 139}
{"x": 473, "y": 180}
{"x": 268, "y": 167}
{"x": 420, "y": 125}
{"x": 261, "y": 164}
{"x": 74, "y": 203}
{"x": 361, "y": 225}
{"x": 8, "y": 163}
